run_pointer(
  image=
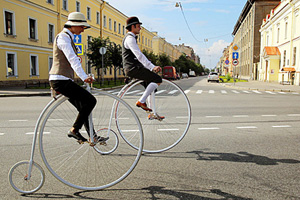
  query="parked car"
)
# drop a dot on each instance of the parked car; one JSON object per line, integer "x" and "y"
{"x": 192, "y": 73}
{"x": 213, "y": 76}
{"x": 169, "y": 72}
{"x": 184, "y": 75}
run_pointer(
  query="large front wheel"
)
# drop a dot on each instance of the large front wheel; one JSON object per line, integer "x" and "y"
{"x": 84, "y": 166}
{"x": 170, "y": 101}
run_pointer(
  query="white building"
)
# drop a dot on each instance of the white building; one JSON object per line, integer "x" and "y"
{"x": 280, "y": 44}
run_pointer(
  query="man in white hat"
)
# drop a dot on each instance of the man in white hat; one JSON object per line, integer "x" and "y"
{"x": 61, "y": 75}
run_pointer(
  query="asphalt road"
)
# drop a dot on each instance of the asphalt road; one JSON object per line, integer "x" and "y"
{"x": 241, "y": 145}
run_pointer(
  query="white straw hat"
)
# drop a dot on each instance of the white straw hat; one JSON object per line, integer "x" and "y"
{"x": 77, "y": 19}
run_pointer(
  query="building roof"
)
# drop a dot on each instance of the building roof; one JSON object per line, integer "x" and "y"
{"x": 270, "y": 51}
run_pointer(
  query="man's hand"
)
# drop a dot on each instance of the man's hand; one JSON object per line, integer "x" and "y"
{"x": 89, "y": 79}
{"x": 157, "y": 69}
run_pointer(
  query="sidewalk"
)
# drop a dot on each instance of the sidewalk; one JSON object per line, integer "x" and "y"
{"x": 21, "y": 91}
{"x": 263, "y": 86}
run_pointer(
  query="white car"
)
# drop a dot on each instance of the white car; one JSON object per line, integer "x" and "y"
{"x": 213, "y": 76}
{"x": 184, "y": 75}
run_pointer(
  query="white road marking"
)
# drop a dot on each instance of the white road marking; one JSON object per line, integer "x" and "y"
{"x": 199, "y": 91}
{"x": 187, "y": 91}
{"x": 134, "y": 91}
{"x": 293, "y": 115}
{"x": 223, "y": 91}
{"x": 234, "y": 91}
{"x": 32, "y": 133}
{"x": 246, "y": 127}
{"x": 257, "y": 92}
{"x": 240, "y": 116}
{"x": 282, "y": 126}
{"x": 245, "y": 91}
{"x": 211, "y": 91}
{"x": 282, "y": 92}
{"x": 210, "y": 128}
{"x": 173, "y": 92}
{"x": 18, "y": 120}
{"x": 168, "y": 129}
{"x": 295, "y": 93}
{"x": 1, "y": 134}
{"x": 160, "y": 91}
{"x": 270, "y": 92}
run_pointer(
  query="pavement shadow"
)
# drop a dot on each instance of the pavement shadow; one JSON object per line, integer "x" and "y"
{"x": 158, "y": 192}
{"x": 241, "y": 157}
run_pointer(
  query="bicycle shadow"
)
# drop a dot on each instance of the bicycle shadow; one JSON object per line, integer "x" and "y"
{"x": 155, "y": 193}
{"x": 241, "y": 156}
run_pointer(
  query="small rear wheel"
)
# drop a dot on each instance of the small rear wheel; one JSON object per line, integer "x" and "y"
{"x": 20, "y": 180}
{"x": 110, "y": 145}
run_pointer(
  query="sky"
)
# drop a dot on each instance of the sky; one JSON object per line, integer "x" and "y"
{"x": 204, "y": 25}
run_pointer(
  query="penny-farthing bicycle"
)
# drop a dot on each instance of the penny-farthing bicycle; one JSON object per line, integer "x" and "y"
{"x": 170, "y": 101}
{"x": 87, "y": 166}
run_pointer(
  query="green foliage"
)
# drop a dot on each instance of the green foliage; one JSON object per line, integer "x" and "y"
{"x": 228, "y": 77}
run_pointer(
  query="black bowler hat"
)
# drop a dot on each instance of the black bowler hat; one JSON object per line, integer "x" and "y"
{"x": 131, "y": 21}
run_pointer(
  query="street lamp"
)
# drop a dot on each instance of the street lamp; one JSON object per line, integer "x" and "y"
{"x": 178, "y": 4}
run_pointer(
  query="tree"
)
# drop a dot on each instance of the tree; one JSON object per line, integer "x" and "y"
{"x": 164, "y": 60}
{"x": 115, "y": 57}
{"x": 95, "y": 57}
{"x": 151, "y": 56}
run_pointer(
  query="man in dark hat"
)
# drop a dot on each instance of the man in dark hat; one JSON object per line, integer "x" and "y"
{"x": 135, "y": 63}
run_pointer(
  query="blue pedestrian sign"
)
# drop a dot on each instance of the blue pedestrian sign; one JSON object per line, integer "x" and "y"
{"x": 77, "y": 39}
{"x": 235, "y": 55}
{"x": 79, "y": 49}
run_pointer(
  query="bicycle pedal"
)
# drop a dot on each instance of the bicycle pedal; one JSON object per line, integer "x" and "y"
{"x": 103, "y": 143}
{"x": 80, "y": 141}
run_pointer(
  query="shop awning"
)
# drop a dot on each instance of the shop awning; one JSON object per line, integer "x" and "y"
{"x": 268, "y": 51}
{"x": 288, "y": 69}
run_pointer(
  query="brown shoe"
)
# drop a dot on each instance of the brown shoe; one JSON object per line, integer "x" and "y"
{"x": 143, "y": 106}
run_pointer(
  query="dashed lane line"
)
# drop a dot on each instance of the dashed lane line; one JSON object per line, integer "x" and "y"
{"x": 240, "y": 116}
{"x": 199, "y": 91}
{"x": 282, "y": 126}
{"x": 1, "y": 134}
{"x": 246, "y": 127}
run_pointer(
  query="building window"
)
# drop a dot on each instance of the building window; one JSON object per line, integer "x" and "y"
{"x": 123, "y": 30}
{"x": 286, "y": 30}
{"x": 110, "y": 71}
{"x": 294, "y": 56}
{"x": 9, "y": 23}
{"x": 142, "y": 39}
{"x": 34, "y": 68}
{"x": 88, "y": 13}
{"x": 109, "y": 24}
{"x": 104, "y": 21}
{"x": 119, "y": 28}
{"x": 77, "y": 6}
{"x": 65, "y": 4}
{"x": 98, "y": 18}
{"x": 50, "y": 1}
{"x": 32, "y": 29}
{"x": 115, "y": 26}
{"x": 89, "y": 67}
{"x": 50, "y": 33}
{"x": 11, "y": 64}
{"x": 284, "y": 57}
{"x": 89, "y": 40}
{"x": 278, "y": 34}
{"x": 50, "y": 62}
{"x": 120, "y": 71}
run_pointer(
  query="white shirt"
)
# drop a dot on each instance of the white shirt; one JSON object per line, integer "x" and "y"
{"x": 64, "y": 44}
{"x": 130, "y": 43}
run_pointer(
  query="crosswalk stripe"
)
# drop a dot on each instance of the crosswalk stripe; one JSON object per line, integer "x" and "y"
{"x": 246, "y": 91}
{"x": 199, "y": 91}
{"x": 173, "y": 92}
{"x": 211, "y": 91}
{"x": 1, "y": 134}
{"x": 187, "y": 91}
{"x": 270, "y": 92}
{"x": 223, "y": 91}
{"x": 234, "y": 91}
{"x": 257, "y": 92}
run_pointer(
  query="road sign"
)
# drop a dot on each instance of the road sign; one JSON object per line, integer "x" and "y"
{"x": 235, "y": 47}
{"x": 102, "y": 50}
{"x": 235, "y": 55}
{"x": 235, "y": 62}
{"x": 80, "y": 59}
{"x": 226, "y": 62}
{"x": 77, "y": 39}
{"x": 79, "y": 49}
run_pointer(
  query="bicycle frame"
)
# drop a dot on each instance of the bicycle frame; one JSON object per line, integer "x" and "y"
{"x": 36, "y": 133}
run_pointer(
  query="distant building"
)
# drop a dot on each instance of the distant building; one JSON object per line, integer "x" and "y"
{"x": 247, "y": 36}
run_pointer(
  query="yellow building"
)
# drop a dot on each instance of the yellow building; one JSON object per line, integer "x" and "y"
{"x": 30, "y": 27}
